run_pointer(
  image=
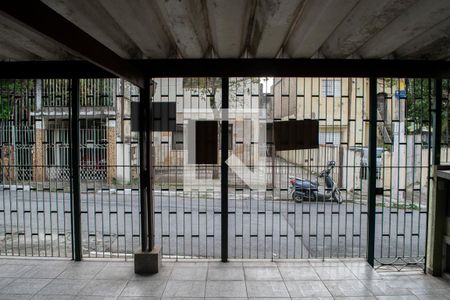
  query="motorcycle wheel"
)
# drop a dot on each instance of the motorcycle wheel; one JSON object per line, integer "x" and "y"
{"x": 337, "y": 197}
{"x": 296, "y": 197}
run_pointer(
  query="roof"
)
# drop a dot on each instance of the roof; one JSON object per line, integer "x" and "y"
{"x": 148, "y": 29}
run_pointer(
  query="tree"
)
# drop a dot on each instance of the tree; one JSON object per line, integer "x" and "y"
{"x": 419, "y": 96}
{"x": 11, "y": 96}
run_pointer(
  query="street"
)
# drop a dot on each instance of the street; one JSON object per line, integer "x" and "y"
{"x": 189, "y": 225}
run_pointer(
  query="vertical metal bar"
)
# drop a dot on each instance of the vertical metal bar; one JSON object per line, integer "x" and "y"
{"x": 224, "y": 171}
{"x": 143, "y": 164}
{"x": 437, "y": 122}
{"x": 149, "y": 84}
{"x": 372, "y": 170}
{"x": 74, "y": 169}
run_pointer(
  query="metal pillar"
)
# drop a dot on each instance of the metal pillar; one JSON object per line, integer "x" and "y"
{"x": 144, "y": 167}
{"x": 75, "y": 169}
{"x": 148, "y": 261}
{"x": 437, "y": 123}
{"x": 224, "y": 170}
{"x": 372, "y": 170}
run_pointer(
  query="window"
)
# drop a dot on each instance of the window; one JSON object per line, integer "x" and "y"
{"x": 269, "y": 133}
{"x": 177, "y": 138}
{"x": 331, "y": 88}
{"x": 330, "y": 138}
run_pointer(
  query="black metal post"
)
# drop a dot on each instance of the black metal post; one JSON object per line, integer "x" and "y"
{"x": 224, "y": 169}
{"x": 148, "y": 86}
{"x": 143, "y": 166}
{"x": 75, "y": 169}
{"x": 372, "y": 170}
{"x": 437, "y": 123}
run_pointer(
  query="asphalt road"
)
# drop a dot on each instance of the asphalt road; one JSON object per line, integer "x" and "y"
{"x": 190, "y": 226}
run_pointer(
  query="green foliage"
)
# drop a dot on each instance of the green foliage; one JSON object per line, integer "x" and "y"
{"x": 11, "y": 94}
{"x": 420, "y": 94}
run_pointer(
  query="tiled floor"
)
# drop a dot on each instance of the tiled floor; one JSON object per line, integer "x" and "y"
{"x": 338, "y": 279}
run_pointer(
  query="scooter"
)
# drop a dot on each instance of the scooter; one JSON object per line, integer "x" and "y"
{"x": 304, "y": 189}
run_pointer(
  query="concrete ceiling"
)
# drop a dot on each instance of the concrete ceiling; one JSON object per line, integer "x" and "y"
{"x": 141, "y": 29}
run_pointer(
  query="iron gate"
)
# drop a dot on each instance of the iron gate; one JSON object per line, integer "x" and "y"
{"x": 35, "y": 207}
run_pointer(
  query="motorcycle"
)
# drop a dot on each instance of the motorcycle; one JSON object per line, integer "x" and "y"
{"x": 304, "y": 189}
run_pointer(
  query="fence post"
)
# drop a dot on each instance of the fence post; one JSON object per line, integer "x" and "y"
{"x": 224, "y": 170}
{"x": 75, "y": 168}
{"x": 372, "y": 170}
{"x": 143, "y": 163}
{"x": 148, "y": 261}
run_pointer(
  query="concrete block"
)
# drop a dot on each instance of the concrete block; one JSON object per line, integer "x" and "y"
{"x": 148, "y": 262}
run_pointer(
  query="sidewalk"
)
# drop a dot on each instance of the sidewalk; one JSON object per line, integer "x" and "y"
{"x": 34, "y": 278}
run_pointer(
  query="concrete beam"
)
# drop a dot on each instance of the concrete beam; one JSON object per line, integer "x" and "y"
{"x": 11, "y": 51}
{"x": 273, "y": 20}
{"x": 140, "y": 21}
{"x": 406, "y": 27}
{"x": 91, "y": 17}
{"x": 187, "y": 23}
{"x": 228, "y": 21}
{"x": 317, "y": 21}
{"x": 29, "y": 43}
{"x": 366, "y": 19}
{"x": 68, "y": 36}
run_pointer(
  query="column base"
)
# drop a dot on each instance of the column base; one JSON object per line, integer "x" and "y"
{"x": 148, "y": 262}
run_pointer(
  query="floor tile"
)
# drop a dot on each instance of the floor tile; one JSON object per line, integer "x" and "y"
{"x": 334, "y": 273}
{"x": 91, "y": 297}
{"x": 147, "y": 288}
{"x": 258, "y": 289}
{"x": 163, "y": 274}
{"x": 84, "y": 270}
{"x": 312, "y": 298}
{"x": 409, "y": 297}
{"x": 307, "y": 289}
{"x": 103, "y": 288}
{"x": 25, "y": 286}
{"x": 298, "y": 273}
{"x": 14, "y": 270}
{"x": 347, "y": 288}
{"x": 53, "y": 297}
{"x": 356, "y": 298}
{"x": 226, "y": 289}
{"x": 15, "y": 297}
{"x": 430, "y": 291}
{"x": 228, "y": 273}
{"x": 5, "y": 281}
{"x": 185, "y": 289}
{"x": 137, "y": 298}
{"x": 116, "y": 273}
{"x": 262, "y": 273}
{"x": 45, "y": 271}
{"x": 381, "y": 288}
{"x": 64, "y": 287}
{"x": 258, "y": 263}
{"x": 189, "y": 273}
{"x": 433, "y": 297}
{"x": 219, "y": 264}
{"x": 364, "y": 272}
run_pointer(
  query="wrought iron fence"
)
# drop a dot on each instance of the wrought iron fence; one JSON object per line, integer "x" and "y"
{"x": 35, "y": 211}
